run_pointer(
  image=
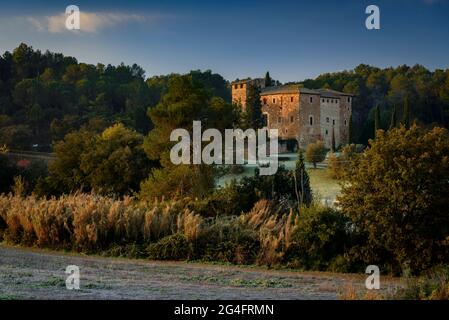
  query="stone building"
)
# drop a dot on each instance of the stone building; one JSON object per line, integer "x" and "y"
{"x": 240, "y": 90}
{"x": 301, "y": 115}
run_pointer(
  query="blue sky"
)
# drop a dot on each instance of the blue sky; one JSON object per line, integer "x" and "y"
{"x": 294, "y": 40}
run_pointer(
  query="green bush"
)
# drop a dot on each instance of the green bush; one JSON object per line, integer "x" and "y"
{"x": 173, "y": 247}
{"x": 133, "y": 251}
{"x": 433, "y": 285}
{"x": 316, "y": 152}
{"x": 319, "y": 240}
{"x": 396, "y": 199}
{"x": 226, "y": 240}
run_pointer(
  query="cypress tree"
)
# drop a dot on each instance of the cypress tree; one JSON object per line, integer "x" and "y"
{"x": 302, "y": 181}
{"x": 268, "y": 80}
{"x": 393, "y": 118}
{"x": 376, "y": 120}
{"x": 254, "y": 116}
{"x": 350, "y": 130}
{"x": 406, "y": 116}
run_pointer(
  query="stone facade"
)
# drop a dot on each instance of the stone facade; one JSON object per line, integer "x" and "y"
{"x": 301, "y": 114}
{"x": 240, "y": 90}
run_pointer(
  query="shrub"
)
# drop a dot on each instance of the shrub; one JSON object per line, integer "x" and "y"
{"x": 172, "y": 247}
{"x": 7, "y": 173}
{"x": 335, "y": 166}
{"x": 132, "y": 251}
{"x": 315, "y": 152}
{"x": 319, "y": 239}
{"x": 339, "y": 166}
{"x": 225, "y": 239}
{"x": 396, "y": 198}
{"x": 434, "y": 285}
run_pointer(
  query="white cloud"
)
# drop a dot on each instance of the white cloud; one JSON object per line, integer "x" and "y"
{"x": 90, "y": 22}
{"x": 35, "y": 23}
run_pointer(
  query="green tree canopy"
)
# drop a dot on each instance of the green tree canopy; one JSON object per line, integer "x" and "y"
{"x": 112, "y": 162}
{"x": 186, "y": 101}
{"x": 315, "y": 152}
{"x": 396, "y": 198}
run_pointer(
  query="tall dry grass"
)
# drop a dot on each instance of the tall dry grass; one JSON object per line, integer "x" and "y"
{"x": 88, "y": 222}
{"x": 93, "y": 223}
{"x": 274, "y": 231}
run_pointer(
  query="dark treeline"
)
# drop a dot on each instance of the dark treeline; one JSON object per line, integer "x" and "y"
{"x": 44, "y": 96}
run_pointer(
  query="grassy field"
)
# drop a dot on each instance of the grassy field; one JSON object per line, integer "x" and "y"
{"x": 39, "y": 274}
{"x": 324, "y": 188}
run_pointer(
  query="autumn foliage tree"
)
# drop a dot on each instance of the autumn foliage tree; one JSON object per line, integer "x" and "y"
{"x": 316, "y": 152}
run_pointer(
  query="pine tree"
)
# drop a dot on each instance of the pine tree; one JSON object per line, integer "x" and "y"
{"x": 302, "y": 181}
{"x": 376, "y": 120}
{"x": 268, "y": 80}
{"x": 393, "y": 118}
{"x": 406, "y": 116}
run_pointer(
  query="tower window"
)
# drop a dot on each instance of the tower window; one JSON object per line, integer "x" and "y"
{"x": 327, "y": 100}
{"x": 291, "y": 118}
{"x": 327, "y": 132}
{"x": 241, "y": 86}
{"x": 274, "y": 100}
{"x": 236, "y": 86}
{"x": 291, "y": 99}
{"x": 311, "y": 99}
{"x": 349, "y": 99}
{"x": 264, "y": 100}
{"x": 311, "y": 120}
{"x": 333, "y": 122}
{"x": 327, "y": 119}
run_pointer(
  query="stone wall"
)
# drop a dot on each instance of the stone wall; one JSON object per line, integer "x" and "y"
{"x": 282, "y": 112}
{"x": 330, "y": 120}
{"x": 310, "y": 118}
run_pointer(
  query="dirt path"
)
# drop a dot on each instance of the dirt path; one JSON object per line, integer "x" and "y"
{"x": 38, "y": 274}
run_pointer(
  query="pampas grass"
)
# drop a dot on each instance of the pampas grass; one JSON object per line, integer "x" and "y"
{"x": 88, "y": 222}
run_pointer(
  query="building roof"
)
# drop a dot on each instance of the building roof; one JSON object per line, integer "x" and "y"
{"x": 295, "y": 88}
{"x": 333, "y": 93}
{"x": 280, "y": 89}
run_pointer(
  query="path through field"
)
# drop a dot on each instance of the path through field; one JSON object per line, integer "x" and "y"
{"x": 37, "y": 274}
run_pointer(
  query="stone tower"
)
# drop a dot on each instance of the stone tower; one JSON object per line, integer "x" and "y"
{"x": 240, "y": 90}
